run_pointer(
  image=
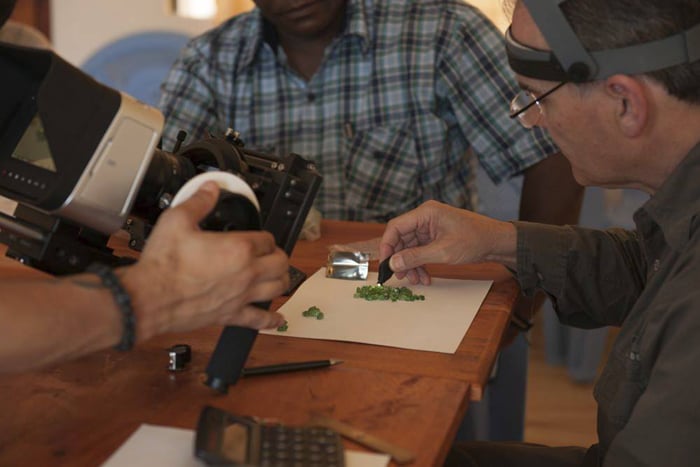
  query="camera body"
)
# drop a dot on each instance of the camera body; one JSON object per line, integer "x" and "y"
{"x": 82, "y": 161}
{"x": 284, "y": 187}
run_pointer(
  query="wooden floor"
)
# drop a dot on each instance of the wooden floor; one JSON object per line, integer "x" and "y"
{"x": 559, "y": 412}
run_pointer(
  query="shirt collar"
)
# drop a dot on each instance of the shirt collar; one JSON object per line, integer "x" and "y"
{"x": 676, "y": 204}
{"x": 253, "y": 29}
{"x": 357, "y": 24}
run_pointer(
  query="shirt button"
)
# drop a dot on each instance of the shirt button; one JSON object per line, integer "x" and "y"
{"x": 657, "y": 265}
{"x": 311, "y": 97}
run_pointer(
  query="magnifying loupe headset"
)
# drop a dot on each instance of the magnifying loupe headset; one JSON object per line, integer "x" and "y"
{"x": 569, "y": 60}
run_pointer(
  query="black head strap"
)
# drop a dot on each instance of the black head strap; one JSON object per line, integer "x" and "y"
{"x": 570, "y": 61}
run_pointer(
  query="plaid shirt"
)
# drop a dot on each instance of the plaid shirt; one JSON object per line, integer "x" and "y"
{"x": 403, "y": 100}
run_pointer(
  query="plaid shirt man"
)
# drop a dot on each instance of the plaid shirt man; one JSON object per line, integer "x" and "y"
{"x": 403, "y": 101}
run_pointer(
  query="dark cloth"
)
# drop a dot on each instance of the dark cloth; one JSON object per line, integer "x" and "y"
{"x": 512, "y": 454}
{"x": 648, "y": 282}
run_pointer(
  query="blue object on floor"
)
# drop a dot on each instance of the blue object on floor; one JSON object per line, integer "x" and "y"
{"x": 137, "y": 64}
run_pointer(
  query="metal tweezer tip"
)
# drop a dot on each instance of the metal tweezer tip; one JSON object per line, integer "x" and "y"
{"x": 385, "y": 271}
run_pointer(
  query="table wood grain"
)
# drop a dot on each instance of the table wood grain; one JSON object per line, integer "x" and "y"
{"x": 471, "y": 363}
{"x": 78, "y": 413}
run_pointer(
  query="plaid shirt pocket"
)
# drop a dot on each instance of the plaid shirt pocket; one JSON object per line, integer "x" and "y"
{"x": 381, "y": 173}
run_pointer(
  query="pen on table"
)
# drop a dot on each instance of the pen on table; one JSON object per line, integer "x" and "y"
{"x": 287, "y": 367}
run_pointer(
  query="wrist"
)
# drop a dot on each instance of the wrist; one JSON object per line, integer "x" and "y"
{"x": 144, "y": 300}
{"x": 122, "y": 300}
{"x": 503, "y": 244}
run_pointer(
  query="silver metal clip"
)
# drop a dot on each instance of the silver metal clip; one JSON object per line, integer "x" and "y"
{"x": 347, "y": 265}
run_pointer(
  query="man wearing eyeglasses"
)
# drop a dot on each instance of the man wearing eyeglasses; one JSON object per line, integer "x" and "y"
{"x": 617, "y": 86}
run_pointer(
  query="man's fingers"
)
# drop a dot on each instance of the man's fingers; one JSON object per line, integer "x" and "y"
{"x": 200, "y": 203}
{"x": 254, "y": 242}
{"x": 267, "y": 290}
{"x": 257, "y": 318}
{"x": 273, "y": 266}
{"x": 411, "y": 258}
{"x": 423, "y": 276}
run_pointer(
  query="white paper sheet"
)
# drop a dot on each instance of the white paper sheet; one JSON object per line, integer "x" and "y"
{"x": 436, "y": 324}
{"x": 156, "y": 446}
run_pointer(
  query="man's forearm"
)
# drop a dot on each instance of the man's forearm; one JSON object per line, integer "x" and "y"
{"x": 47, "y": 320}
{"x": 550, "y": 195}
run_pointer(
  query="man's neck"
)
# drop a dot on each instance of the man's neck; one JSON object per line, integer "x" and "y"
{"x": 305, "y": 54}
{"x": 305, "y": 57}
{"x": 672, "y": 144}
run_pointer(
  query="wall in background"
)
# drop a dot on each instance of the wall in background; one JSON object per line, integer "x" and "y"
{"x": 494, "y": 10}
{"x": 228, "y": 8}
{"x": 79, "y": 28}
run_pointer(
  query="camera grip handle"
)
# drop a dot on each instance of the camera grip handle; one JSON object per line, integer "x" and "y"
{"x": 230, "y": 354}
{"x": 236, "y": 209}
{"x": 229, "y": 357}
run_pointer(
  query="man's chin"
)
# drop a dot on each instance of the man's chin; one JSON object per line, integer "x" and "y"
{"x": 581, "y": 178}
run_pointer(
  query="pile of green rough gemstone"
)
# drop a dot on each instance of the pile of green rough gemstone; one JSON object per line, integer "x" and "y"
{"x": 313, "y": 312}
{"x": 385, "y": 292}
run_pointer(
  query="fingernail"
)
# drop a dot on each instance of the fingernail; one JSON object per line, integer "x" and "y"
{"x": 209, "y": 187}
{"x": 396, "y": 262}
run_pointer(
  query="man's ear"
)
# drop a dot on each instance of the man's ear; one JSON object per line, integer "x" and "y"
{"x": 631, "y": 103}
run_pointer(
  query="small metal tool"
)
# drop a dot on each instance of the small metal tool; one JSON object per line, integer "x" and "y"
{"x": 385, "y": 271}
{"x": 347, "y": 265}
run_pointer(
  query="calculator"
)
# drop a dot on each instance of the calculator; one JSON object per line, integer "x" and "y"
{"x": 226, "y": 439}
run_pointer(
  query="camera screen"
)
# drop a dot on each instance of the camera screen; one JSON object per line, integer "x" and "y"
{"x": 33, "y": 148}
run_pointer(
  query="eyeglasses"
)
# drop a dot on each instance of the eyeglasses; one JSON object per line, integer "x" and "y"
{"x": 526, "y": 106}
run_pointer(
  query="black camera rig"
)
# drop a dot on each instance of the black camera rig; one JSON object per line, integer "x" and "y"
{"x": 80, "y": 160}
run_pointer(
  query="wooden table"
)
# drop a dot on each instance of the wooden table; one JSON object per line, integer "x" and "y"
{"x": 78, "y": 413}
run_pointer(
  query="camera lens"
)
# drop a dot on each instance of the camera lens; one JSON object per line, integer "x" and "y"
{"x": 165, "y": 176}
{"x": 232, "y": 212}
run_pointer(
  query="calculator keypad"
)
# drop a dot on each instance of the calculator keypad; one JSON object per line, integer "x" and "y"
{"x": 285, "y": 446}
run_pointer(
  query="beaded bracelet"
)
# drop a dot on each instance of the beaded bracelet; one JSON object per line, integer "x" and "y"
{"x": 123, "y": 301}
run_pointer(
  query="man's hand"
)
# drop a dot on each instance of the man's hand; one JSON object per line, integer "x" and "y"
{"x": 187, "y": 278}
{"x": 438, "y": 233}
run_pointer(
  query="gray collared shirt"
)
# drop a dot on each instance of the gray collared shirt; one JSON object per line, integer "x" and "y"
{"x": 648, "y": 282}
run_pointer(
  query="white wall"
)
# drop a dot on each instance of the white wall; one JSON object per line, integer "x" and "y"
{"x": 492, "y": 9}
{"x": 79, "y": 28}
